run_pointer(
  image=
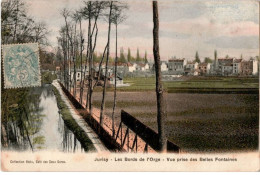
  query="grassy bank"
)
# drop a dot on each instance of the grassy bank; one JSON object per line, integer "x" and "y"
{"x": 72, "y": 124}
{"x": 48, "y": 77}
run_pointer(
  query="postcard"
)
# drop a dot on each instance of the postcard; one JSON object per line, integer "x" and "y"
{"x": 129, "y": 85}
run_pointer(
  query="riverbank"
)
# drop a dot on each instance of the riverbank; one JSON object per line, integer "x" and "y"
{"x": 76, "y": 121}
{"x": 86, "y": 143}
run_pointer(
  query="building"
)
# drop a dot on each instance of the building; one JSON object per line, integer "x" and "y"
{"x": 204, "y": 68}
{"x": 225, "y": 66}
{"x": 237, "y": 66}
{"x": 131, "y": 67}
{"x": 111, "y": 80}
{"x": 249, "y": 67}
{"x": 191, "y": 68}
{"x": 164, "y": 66}
{"x": 177, "y": 66}
{"x": 140, "y": 67}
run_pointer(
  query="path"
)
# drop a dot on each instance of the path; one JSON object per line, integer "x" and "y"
{"x": 81, "y": 122}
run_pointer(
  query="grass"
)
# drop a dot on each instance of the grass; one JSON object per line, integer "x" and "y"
{"x": 72, "y": 124}
{"x": 194, "y": 84}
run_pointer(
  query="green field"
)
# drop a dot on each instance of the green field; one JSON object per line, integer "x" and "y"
{"x": 191, "y": 84}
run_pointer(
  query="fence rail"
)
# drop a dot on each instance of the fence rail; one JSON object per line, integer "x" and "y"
{"x": 145, "y": 133}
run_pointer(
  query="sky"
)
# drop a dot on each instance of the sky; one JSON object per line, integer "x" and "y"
{"x": 186, "y": 26}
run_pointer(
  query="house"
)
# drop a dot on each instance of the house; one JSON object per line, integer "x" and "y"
{"x": 131, "y": 67}
{"x": 78, "y": 75}
{"x": 249, "y": 67}
{"x": 254, "y": 66}
{"x": 227, "y": 69}
{"x": 237, "y": 66}
{"x": 140, "y": 67}
{"x": 225, "y": 66}
{"x": 192, "y": 65}
{"x": 146, "y": 67}
{"x": 191, "y": 68}
{"x": 164, "y": 66}
{"x": 203, "y": 68}
{"x": 177, "y": 66}
{"x": 111, "y": 80}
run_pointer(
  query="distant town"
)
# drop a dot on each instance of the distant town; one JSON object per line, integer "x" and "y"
{"x": 174, "y": 68}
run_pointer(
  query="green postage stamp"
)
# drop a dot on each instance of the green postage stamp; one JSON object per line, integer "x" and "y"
{"x": 21, "y": 65}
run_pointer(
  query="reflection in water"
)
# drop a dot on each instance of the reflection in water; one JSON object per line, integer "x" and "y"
{"x": 35, "y": 124}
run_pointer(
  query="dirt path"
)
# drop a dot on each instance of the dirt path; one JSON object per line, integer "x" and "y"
{"x": 81, "y": 122}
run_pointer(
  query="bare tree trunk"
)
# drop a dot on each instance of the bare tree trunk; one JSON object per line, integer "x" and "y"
{"x": 90, "y": 65}
{"x": 105, "y": 80}
{"x": 81, "y": 71}
{"x": 161, "y": 112}
{"x": 114, "y": 106}
{"x": 16, "y": 21}
{"x": 74, "y": 62}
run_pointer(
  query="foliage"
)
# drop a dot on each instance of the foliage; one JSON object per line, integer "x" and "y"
{"x": 48, "y": 77}
{"x": 197, "y": 58}
{"x": 207, "y": 60}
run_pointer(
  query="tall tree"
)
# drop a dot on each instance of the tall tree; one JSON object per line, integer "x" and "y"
{"x": 145, "y": 57}
{"x": 122, "y": 56}
{"x": 117, "y": 17}
{"x": 92, "y": 10}
{"x": 197, "y": 58}
{"x": 161, "y": 108}
{"x": 215, "y": 59}
{"x": 129, "y": 55}
{"x": 138, "y": 58}
{"x": 106, "y": 69}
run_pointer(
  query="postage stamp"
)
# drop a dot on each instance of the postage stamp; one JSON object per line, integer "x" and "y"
{"x": 21, "y": 65}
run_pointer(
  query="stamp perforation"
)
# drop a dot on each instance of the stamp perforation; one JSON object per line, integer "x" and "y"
{"x": 39, "y": 66}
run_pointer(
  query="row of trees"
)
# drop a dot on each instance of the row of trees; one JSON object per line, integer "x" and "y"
{"x": 123, "y": 58}
{"x": 130, "y": 58}
{"x": 72, "y": 42}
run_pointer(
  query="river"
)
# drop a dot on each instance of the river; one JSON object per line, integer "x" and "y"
{"x": 46, "y": 129}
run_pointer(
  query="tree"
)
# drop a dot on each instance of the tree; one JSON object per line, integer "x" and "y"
{"x": 92, "y": 10}
{"x": 122, "y": 56}
{"x": 145, "y": 57}
{"x": 161, "y": 107}
{"x": 107, "y": 58}
{"x": 138, "y": 58}
{"x": 197, "y": 58}
{"x": 207, "y": 60}
{"x": 227, "y": 57}
{"x": 17, "y": 123}
{"x": 215, "y": 58}
{"x": 215, "y": 55}
{"x": 117, "y": 17}
{"x": 129, "y": 55}
{"x": 241, "y": 56}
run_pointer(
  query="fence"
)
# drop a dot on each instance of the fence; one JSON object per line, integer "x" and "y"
{"x": 126, "y": 139}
